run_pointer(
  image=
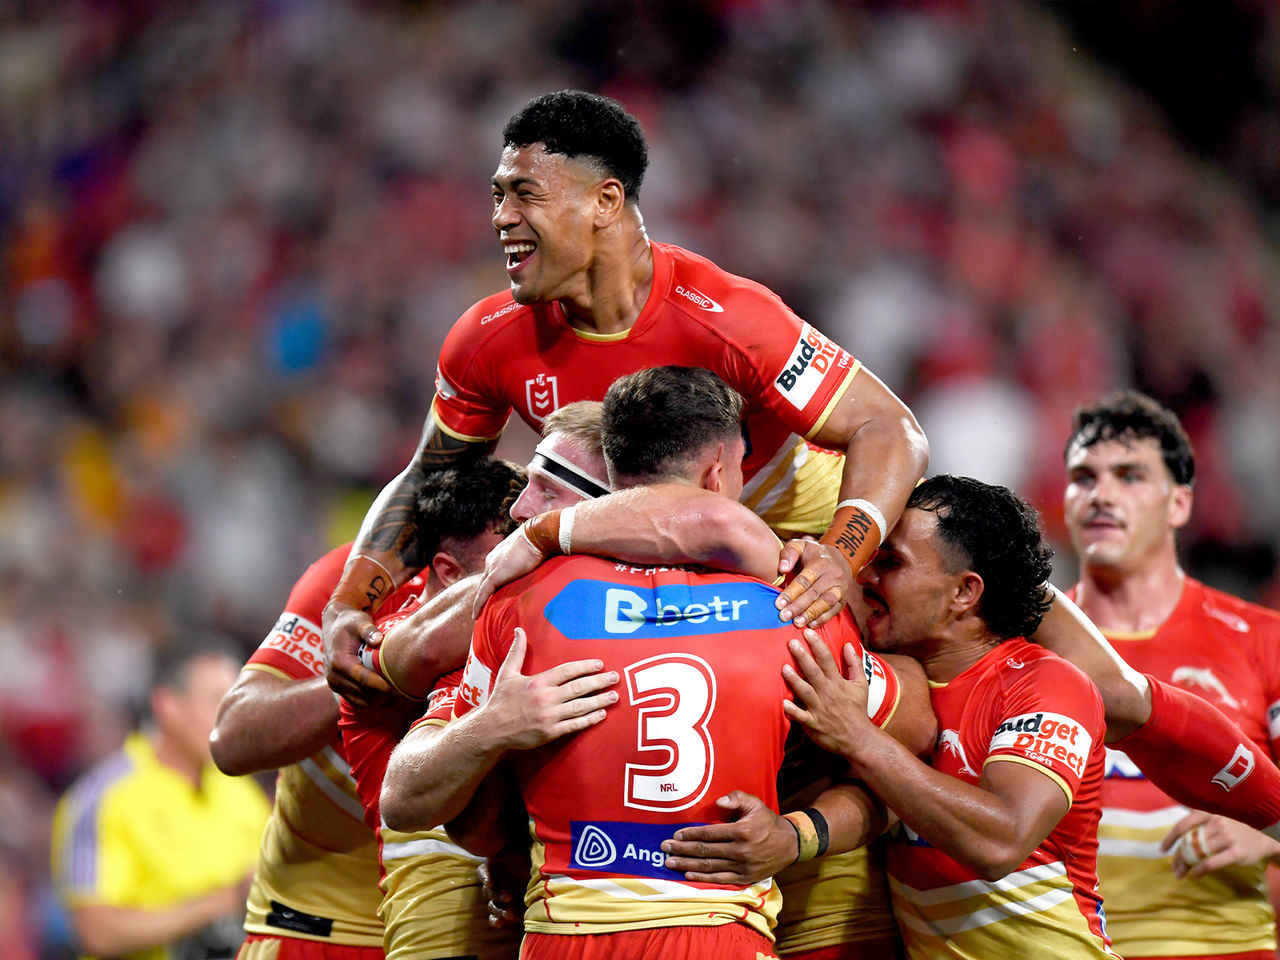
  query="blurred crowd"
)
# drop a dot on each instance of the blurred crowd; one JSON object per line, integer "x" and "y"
{"x": 233, "y": 234}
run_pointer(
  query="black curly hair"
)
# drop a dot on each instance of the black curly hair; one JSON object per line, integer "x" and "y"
{"x": 654, "y": 420}
{"x": 584, "y": 125}
{"x": 1129, "y": 415}
{"x": 996, "y": 534}
{"x": 460, "y": 503}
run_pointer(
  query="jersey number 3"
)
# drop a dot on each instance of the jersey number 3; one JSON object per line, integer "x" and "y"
{"x": 676, "y": 694}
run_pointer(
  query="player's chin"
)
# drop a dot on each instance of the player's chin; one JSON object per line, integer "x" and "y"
{"x": 523, "y": 292}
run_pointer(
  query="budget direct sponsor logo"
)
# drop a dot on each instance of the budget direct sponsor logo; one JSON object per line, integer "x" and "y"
{"x": 476, "y": 681}
{"x": 811, "y": 358}
{"x": 589, "y": 609}
{"x": 622, "y": 847}
{"x": 1045, "y": 737}
{"x": 699, "y": 299}
{"x": 298, "y": 638}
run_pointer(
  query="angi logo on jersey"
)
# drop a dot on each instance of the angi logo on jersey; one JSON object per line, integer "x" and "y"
{"x": 699, "y": 299}
{"x": 811, "y": 358}
{"x": 622, "y": 847}
{"x": 1045, "y": 737}
{"x": 542, "y": 396}
{"x": 593, "y": 849}
{"x": 1236, "y": 770}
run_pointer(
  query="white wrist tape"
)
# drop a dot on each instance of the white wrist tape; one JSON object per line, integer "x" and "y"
{"x": 566, "y": 529}
{"x": 871, "y": 510}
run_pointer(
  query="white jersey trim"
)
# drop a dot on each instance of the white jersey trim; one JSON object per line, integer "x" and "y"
{"x": 330, "y": 789}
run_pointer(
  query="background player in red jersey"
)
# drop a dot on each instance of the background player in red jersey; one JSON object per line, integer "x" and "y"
{"x": 433, "y": 906}
{"x": 592, "y": 298}
{"x": 991, "y": 856}
{"x": 1130, "y": 470}
{"x": 701, "y": 447}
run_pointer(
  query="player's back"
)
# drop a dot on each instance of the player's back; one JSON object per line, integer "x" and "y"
{"x": 699, "y": 657}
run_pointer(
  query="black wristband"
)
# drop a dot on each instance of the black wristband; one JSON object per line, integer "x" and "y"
{"x": 820, "y": 825}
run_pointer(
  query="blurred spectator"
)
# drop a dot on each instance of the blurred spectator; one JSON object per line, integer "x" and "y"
{"x": 153, "y": 848}
{"x": 233, "y": 235}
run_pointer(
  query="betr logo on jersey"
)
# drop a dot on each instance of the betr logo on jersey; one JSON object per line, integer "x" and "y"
{"x": 1045, "y": 736}
{"x": 626, "y": 611}
{"x": 811, "y": 358}
{"x": 598, "y": 609}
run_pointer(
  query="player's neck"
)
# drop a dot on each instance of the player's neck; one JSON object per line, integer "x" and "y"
{"x": 1130, "y": 601}
{"x": 171, "y": 755}
{"x": 954, "y": 656}
{"x": 616, "y": 288}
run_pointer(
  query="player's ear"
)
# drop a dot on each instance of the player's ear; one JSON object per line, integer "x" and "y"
{"x": 611, "y": 200}
{"x": 1180, "y": 506}
{"x": 447, "y": 568}
{"x": 713, "y": 472}
{"x": 967, "y": 593}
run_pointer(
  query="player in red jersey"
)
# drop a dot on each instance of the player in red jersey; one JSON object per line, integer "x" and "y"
{"x": 690, "y": 633}
{"x": 1177, "y": 884}
{"x": 591, "y": 298}
{"x": 433, "y": 906}
{"x": 995, "y": 851}
{"x": 315, "y": 889}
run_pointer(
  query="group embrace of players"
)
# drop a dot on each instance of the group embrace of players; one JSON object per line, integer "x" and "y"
{"x": 672, "y": 733}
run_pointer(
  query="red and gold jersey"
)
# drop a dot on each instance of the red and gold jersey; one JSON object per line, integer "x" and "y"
{"x": 502, "y": 356}
{"x": 432, "y": 905}
{"x": 700, "y": 657}
{"x": 1228, "y": 652}
{"x": 317, "y": 873}
{"x": 1018, "y": 704}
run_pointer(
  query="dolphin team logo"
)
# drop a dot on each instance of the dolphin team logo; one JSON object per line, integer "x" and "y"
{"x": 541, "y": 396}
{"x": 949, "y": 742}
{"x": 1205, "y": 679}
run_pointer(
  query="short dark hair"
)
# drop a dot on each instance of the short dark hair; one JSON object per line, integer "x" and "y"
{"x": 655, "y": 420}
{"x": 460, "y": 503}
{"x": 584, "y": 125}
{"x": 1129, "y": 415}
{"x": 996, "y": 534}
{"x": 171, "y": 666}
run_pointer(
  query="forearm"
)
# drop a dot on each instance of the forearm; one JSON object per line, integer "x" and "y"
{"x": 431, "y": 642}
{"x": 1073, "y": 636}
{"x": 485, "y": 825}
{"x": 884, "y": 460}
{"x": 108, "y": 931}
{"x": 388, "y": 537}
{"x": 266, "y": 722}
{"x": 854, "y": 817}
{"x": 676, "y": 523}
{"x": 969, "y": 824}
{"x": 435, "y": 771}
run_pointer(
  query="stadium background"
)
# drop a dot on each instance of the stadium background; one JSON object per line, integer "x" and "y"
{"x": 234, "y": 233}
